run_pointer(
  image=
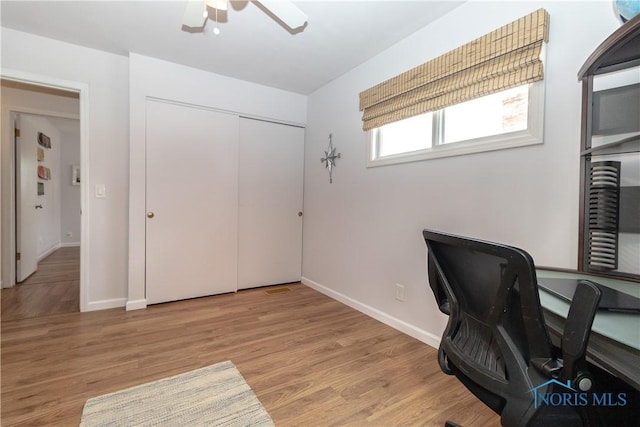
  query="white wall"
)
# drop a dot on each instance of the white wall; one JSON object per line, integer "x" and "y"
{"x": 154, "y": 78}
{"x": 362, "y": 234}
{"x": 106, "y": 79}
{"x": 69, "y": 194}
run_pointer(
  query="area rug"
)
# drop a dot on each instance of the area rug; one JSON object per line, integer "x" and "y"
{"x": 213, "y": 396}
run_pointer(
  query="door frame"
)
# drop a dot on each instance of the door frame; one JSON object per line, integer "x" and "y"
{"x": 7, "y": 177}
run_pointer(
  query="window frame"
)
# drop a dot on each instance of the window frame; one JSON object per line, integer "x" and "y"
{"x": 532, "y": 135}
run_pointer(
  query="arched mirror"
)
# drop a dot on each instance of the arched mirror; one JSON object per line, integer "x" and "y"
{"x": 609, "y": 242}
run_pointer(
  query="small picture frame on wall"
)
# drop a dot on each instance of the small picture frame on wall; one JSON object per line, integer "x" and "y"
{"x": 41, "y": 189}
{"x": 75, "y": 175}
{"x": 40, "y": 154}
{"x": 44, "y": 172}
{"x": 44, "y": 140}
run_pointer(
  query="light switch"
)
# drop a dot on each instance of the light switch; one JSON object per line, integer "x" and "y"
{"x": 101, "y": 191}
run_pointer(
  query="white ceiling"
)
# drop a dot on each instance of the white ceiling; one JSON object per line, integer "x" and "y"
{"x": 252, "y": 46}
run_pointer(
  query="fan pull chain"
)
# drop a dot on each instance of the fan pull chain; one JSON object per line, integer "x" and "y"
{"x": 216, "y": 30}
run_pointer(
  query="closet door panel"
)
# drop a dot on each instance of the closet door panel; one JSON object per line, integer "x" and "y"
{"x": 271, "y": 162}
{"x": 191, "y": 202}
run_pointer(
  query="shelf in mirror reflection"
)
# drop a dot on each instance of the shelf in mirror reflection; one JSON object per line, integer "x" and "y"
{"x": 629, "y": 144}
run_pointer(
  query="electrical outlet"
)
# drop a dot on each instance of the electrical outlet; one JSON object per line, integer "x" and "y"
{"x": 399, "y": 292}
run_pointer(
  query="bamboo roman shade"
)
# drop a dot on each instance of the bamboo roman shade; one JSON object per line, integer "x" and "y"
{"x": 502, "y": 59}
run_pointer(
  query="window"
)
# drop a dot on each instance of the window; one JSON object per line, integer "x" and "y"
{"x": 406, "y": 136}
{"x": 506, "y": 119}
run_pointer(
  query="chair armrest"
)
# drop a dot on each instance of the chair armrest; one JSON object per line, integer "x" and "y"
{"x": 576, "y": 334}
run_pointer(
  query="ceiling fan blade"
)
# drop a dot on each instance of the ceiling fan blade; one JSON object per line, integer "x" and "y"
{"x": 193, "y": 14}
{"x": 285, "y": 11}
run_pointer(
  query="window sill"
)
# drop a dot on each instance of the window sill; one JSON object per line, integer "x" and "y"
{"x": 493, "y": 143}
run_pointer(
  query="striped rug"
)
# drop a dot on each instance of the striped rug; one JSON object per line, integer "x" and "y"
{"x": 213, "y": 396}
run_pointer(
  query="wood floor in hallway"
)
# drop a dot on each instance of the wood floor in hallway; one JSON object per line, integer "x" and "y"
{"x": 53, "y": 289}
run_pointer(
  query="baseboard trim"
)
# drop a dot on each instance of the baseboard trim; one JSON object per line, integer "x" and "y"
{"x": 136, "y": 304}
{"x": 70, "y": 245}
{"x": 48, "y": 252}
{"x": 402, "y": 326}
{"x": 55, "y": 247}
{"x": 106, "y": 303}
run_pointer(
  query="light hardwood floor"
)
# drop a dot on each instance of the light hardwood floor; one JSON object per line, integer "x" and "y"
{"x": 53, "y": 289}
{"x": 311, "y": 361}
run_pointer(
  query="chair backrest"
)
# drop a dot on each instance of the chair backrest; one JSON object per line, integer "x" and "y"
{"x": 496, "y": 326}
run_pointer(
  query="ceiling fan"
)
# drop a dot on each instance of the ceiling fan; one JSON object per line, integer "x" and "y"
{"x": 197, "y": 12}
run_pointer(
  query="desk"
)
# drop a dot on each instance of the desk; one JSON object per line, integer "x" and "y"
{"x": 614, "y": 343}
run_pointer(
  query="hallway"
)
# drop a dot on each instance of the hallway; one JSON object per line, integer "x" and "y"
{"x": 53, "y": 289}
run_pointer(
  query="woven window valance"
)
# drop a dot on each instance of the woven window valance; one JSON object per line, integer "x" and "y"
{"x": 502, "y": 59}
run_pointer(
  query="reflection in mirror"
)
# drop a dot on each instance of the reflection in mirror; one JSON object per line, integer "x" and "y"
{"x": 624, "y": 77}
{"x": 615, "y": 137}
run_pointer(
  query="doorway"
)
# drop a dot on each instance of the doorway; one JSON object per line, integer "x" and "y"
{"x": 55, "y": 197}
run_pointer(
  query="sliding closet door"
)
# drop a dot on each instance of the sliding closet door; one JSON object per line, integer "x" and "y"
{"x": 270, "y": 216}
{"x": 192, "y": 202}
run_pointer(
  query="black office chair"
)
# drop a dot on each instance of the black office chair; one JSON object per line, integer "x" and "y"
{"x": 496, "y": 342}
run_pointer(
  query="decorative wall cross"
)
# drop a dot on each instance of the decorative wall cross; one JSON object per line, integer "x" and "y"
{"x": 329, "y": 159}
